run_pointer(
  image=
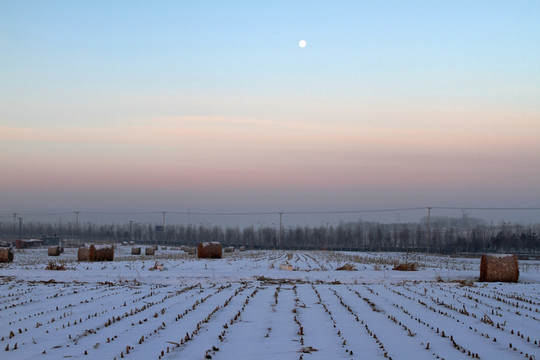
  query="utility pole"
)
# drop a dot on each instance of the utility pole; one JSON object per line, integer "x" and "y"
{"x": 363, "y": 236}
{"x": 14, "y": 224}
{"x": 163, "y": 228}
{"x": 280, "y": 229}
{"x": 20, "y": 228}
{"x": 428, "y": 228}
{"x": 466, "y": 230}
{"x": 77, "y": 222}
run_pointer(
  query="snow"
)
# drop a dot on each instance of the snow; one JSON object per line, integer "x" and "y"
{"x": 244, "y": 306}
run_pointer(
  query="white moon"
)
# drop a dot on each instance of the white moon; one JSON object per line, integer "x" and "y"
{"x": 302, "y": 43}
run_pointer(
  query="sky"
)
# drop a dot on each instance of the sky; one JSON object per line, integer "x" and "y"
{"x": 214, "y": 106}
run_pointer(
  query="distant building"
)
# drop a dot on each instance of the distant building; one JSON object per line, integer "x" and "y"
{"x": 28, "y": 243}
{"x": 50, "y": 240}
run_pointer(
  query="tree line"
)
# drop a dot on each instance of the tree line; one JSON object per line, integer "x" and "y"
{"x": 438, "y": 235}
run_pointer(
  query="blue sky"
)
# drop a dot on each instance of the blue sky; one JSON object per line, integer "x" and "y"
{"x": 391, "y": 103}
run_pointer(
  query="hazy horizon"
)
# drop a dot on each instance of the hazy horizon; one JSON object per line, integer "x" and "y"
{"x": 214, "y": 107}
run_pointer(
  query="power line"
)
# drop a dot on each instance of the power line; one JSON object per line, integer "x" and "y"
{"x": 351, "y": 211}
{"x": 484, "y": 208}
{"x": 39, "y": 214}
{"x": 120, "y": 213}
{"x": 292, "y": 212}
{"x": 222, "y": 213}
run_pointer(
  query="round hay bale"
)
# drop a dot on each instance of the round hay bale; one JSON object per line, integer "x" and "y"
{"x": 136, "y": 250}
{"x": 499, "y": 268}
{"x": 406, "y": 267}
{"x": 83, "y": 254}
{"x": 92, "y": 253}
{"x": 149, "y": 250}
{"x": 6, "y": 254}
{"x": 242, "y": 248}
{"x": 155, "y": 247}
{"x": 229, "y": 249}
{"x": 286, "y": 267}
{"x": 102, "y": 253}
{"x": 347, "y": 267}
{"x": 54, "y": 251}
{"x": 209, "y": 250}
{"x": 188, "y": 249}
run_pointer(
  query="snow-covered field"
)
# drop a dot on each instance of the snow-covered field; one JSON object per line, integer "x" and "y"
{"x": 245, "y": 307}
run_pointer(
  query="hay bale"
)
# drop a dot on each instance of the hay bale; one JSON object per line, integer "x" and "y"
{"x": 242, "y": 248}
{"x": 92, "y": 253}
{"x": 406, "y": 267}
{"x": 54, "y": 266}
{"x": 155, "y": 247}
{"x": 286, "y": 267}
{"x": 347, "y": 267}
{"x": 229, "y": 249}
{"x": 136, "y": 250}
{"x": 157, "y": 266}
{"x": 6, "y": 254}
{"x": 83, "y": 254}
{"x": 101, "y": 253}
{"x": 149, "y": 250}
{"x": 500, "y": 268}
{"x": 189, "y": 249}
{"x": 209, "y": 250}
{"x": 105, "y": 254}
{"x": 54, "y": 251}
